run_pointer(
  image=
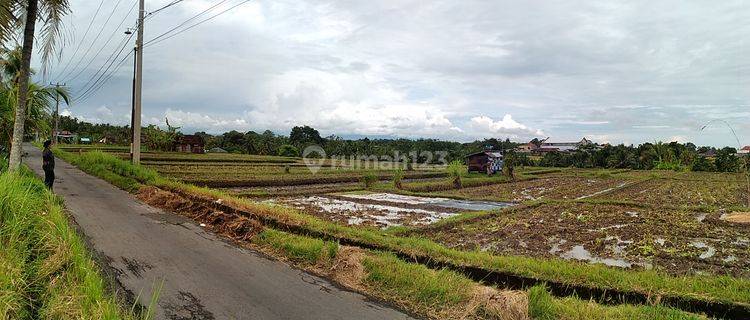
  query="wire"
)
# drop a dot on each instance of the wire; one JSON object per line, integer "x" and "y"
{"x": 83, "y": 38}
{"x": 111, "y": 36}
{"x": 97, "y": 36}
{"x": 153, "y": 41}
{"x": 152, "y": 13}
{"x": 186, "y": 22}
{"x": 111, "y": 61}
{"x": 93, "y": 92}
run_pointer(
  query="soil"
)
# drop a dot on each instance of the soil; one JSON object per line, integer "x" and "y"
{"x": 546, "y": 188}
{"x": 233, "y": 226}
{"x": 683, "y": 192}
{"x": 676, "y": 241}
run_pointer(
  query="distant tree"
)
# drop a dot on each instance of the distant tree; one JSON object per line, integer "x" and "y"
{"x": 702, "y": 164}
{"x": 304, "y": 136}
{"x": 726, "y": 160}
{"x": 288, "y": 150}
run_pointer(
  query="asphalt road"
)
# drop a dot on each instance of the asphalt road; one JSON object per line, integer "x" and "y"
{"x": 203, "y": 276}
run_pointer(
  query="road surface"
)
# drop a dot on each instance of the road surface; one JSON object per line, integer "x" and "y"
{"x": 203, "y": 276}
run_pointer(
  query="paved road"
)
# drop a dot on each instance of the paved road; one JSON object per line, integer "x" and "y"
{"x": 203, "y": 276}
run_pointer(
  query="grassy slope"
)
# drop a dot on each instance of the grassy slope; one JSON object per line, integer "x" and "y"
{"x": 45, "y": 270}
{"x": 712, "y": 288}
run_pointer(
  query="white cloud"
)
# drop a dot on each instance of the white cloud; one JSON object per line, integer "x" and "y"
{"x": 486, "y": 126}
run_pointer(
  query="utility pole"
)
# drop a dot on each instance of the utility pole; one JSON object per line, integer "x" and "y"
{"x": 138, "y": 86}
{"x": 56, "y": 132}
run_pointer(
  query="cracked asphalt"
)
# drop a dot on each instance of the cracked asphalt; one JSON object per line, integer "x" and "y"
{"x": 202, "y": 276}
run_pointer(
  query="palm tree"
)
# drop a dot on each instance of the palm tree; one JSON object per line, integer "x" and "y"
{"x": 50, "y": 12}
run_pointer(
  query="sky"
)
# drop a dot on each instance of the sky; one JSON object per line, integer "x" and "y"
{"x": 612, "y": 71}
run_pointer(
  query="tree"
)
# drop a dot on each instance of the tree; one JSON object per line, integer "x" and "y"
{"x": 726, "y": 160}
{"x": 305, "y": 136}
{"x": 38, "y": 105}
{"x": 288, "y": 150}
{"x": 702, "y": 164}
{"x": 51, "y": 15}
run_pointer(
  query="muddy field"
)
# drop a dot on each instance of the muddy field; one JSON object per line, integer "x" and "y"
{"x": 683, "y": 192}
{"x": 382, "y": 210}
{"x": 542, "y": 188}
{"x": 675, "y": 241}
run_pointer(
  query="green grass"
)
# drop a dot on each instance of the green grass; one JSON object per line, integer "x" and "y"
{"x": 704, "y": 287}
{"x": 414, "y": 282}
{"x": 543, "y": 306}
{"x": 110, "y": 168}
{"x": 45, "y": 269}
{"x": 298, "y": 248}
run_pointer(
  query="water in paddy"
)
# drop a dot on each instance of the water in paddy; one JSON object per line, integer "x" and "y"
{"x": 461, "y": 205}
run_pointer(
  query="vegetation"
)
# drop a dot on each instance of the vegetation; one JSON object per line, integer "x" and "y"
{"x": 398, "y": 176}
{"x": 45, "y": 270}
{"x": 16, "y": 13}
{"x": 456, "y": 171}
{"x": 369, "y": 179}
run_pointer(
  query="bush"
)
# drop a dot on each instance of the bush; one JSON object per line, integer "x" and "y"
{"x": 288, "y": 150}
{"x": 702, "y": 164}
{"x": 667, "y": 165}
{"x": 369, "y": 179}
{"x": 398, "y": 176}
{"x": 456, "y": 170}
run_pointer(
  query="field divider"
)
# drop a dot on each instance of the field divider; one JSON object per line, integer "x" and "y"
{"x": 502, "y": 279}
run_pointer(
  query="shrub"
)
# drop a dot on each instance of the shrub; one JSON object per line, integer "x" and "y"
{"x": 398, "y": 176}
{"x": 287, "y": 169}
{"x": 702, "y": 164}
{"x": 456, "y": 170}
{"x": 369, "y": 179}
{"x": 288, "y": 150}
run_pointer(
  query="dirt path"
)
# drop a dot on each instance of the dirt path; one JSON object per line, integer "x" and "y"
{"x": 203, "y": 276}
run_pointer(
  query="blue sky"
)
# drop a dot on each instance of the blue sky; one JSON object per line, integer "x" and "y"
{"x": 618, "y": 72}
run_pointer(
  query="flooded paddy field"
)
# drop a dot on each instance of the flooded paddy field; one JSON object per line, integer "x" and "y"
{"x": 383, "y": 210}
{"x": 674, "y": 241}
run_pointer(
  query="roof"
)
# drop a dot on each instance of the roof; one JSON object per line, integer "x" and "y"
{"x": 491, "y": 154}
{"x": 190, "y": 139}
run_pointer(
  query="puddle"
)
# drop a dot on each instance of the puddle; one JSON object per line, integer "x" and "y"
{"x": 360, "y": 213}
{"x": 580, "y": 253}
{"x": 464, "y": 205}
{"x": 710, "y": 251}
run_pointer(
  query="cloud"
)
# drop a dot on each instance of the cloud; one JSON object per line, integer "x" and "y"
{"x": 506, "y": 127}
{"x": 632, "y": 71}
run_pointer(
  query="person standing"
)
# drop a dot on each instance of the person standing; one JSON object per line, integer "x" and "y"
{"x": 48, "y": 165}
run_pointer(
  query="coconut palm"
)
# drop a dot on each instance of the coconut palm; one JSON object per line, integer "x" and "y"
{"x": 12, "y": 14}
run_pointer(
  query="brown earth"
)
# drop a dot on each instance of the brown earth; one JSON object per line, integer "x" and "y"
{"x": 676, "y": 241}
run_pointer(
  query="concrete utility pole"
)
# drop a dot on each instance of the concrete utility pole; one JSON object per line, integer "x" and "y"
{"x": 55, "y": 132}
{"x": 136, "y": 148}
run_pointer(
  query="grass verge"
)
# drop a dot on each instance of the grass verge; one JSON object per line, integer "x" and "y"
{"x": 45, "y": 270}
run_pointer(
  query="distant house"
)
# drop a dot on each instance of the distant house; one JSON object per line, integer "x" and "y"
{"x": 65, "y": 136}
{"x": 85, "y": 140}
{"x": 485, "y": 161}
{"x": 190, "y": 144}
{"x": 744, "y": 150}
{"x": 547, "y": 147}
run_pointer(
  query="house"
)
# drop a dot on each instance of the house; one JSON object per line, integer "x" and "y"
{"x": 744, "y": 150}
{"x": 190, "y": 144}
{"x": 546, "y": 147}
{"x": 485, "y": 161}
{"x": 65, "y": 136}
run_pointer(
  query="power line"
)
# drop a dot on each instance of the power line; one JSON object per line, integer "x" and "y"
{"x": 152, "y": 13}
{"x": 186, "y": 21}
{"x": 105, "y": 80}
{"x": 83, "y": 38}
{"x": 97, "y": 35}
{"x": 111, "y": 61}
{"x": 111, "y": 36}
{"x": 153, "y": 42}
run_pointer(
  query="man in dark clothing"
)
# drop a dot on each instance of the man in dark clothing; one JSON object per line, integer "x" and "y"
{"x": 48, "y": 165}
